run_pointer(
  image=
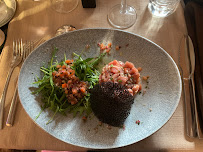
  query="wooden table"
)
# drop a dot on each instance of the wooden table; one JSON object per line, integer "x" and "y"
{"x": 36, "y": 20}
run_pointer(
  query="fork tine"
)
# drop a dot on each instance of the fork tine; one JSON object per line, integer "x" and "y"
{"x": 27, "y": 50}
{"x": 32, "y": 47}
{"x": 18, "y": 50}
{"x": 21, "y": 46}
{"x": 13, "y": 48}
{"x": 24, "y": 51}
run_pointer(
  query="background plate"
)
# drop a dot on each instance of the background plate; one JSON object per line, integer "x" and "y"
{"x": 8, "y": 9}
{"x": 153, "y": 109}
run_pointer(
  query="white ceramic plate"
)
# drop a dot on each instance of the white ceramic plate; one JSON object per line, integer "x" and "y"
{"x": 153, "y": 109}
{"x": 7, "y": 11}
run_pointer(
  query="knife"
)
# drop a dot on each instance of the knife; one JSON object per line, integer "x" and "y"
{"x": 187, "y": 67}
{"x": 192, "y": 58}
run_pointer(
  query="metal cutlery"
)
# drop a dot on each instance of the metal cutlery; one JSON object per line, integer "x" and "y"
{"x": 187, "y": 67}
{"x": 27, "y": 50}
{"x": 191, "y": 55}
{"x": 17, "y": 58}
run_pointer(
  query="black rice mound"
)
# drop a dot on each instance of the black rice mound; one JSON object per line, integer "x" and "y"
{"x": 111, "y": 103}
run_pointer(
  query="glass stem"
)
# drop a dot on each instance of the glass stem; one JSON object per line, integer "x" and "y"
{"x": 123, "y": 6}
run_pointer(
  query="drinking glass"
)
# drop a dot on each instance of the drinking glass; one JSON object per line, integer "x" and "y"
{"x": 64, "y": 6}
{"x": 162, "y": 8}
{"x": 122, "y": 15}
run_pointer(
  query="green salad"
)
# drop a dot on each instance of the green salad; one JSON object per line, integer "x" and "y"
{"x": 65, "y": 85}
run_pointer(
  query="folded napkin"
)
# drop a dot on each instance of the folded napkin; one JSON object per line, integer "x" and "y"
{"x": 194, "y": 22}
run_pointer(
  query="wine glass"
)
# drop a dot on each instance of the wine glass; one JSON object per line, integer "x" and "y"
{"x": 64, "y": 6}
{"x": 122, "y": 15}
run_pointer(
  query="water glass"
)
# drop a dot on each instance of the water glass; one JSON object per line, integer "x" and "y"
{"x": 162, "y": 8}
{"x": 64, "y": 6}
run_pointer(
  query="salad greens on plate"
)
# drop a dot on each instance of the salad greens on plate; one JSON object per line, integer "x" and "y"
{"x": 54, "y": 97}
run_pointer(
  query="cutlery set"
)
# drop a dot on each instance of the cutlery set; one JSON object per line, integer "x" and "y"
{"x": 20, "y": 52}
{"x": 11, "y": 114}
{"x": 187, "y": 67}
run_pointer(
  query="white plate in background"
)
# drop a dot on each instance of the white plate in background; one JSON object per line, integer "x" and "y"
{"x": 7, "y": 11}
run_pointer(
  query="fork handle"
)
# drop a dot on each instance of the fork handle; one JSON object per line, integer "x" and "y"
{"x": 3, "y": 97}
{"x": 12, "y": 109}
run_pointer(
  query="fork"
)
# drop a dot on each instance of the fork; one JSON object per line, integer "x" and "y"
{"x": 17, "y": 58}
{"x": 29, "y": 46}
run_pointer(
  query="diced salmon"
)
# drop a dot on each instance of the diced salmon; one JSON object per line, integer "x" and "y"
{"x": 122, "y": 79}
{"x": 131, "y": 91}
{"x": 121, "y": 63}
{"x": 114, "y": 70}
{"x": 128, "y": 65}
{"x": 114, "y": 62}
{"x": 123, "y": 73}
{"x": 126, "y": 70}
{"x": 140, "y": 87}
{"x": 133, "y": 70}
{"x": 136, "y": 76}
{"x": 135, "y": 89}
{"x": 139, "y": 69}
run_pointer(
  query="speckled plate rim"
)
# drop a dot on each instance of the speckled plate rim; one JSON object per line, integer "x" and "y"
{"x": 12, "y": 11}
{"x": 154, "y": 131}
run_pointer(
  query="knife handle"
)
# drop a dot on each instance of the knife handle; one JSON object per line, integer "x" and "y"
{"x": 190, "y": 107}
{"x": 199, "y": 129}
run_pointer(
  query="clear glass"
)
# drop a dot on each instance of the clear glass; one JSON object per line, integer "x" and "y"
{"x": 64, "y": 6}
{"x": 65, "y": 29}
{"x": 122, "y": 15}
{"x": 162, "y": 8}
